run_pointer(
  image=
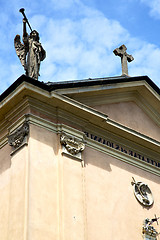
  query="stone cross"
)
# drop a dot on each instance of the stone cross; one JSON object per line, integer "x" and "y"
{"x": 121, "y": 52}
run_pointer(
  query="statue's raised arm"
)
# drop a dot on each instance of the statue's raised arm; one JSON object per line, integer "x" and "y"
{"x": 31, "y": 52}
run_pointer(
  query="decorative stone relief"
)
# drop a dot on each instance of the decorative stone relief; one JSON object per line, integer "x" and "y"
{"x": 71, "y": 146}
{"x": 17, "y": 138}
{"x": 142, "y": 193}
{"x": 149, "y": 232}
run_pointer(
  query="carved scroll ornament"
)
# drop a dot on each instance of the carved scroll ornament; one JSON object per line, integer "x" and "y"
{"x": 17, "y": 138}
{"x": 73, "y": 146}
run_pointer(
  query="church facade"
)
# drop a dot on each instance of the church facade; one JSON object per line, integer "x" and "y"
{"x": 80, "y": 160}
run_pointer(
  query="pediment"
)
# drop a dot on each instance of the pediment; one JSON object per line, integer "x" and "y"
{"x": 132, "y": 116}
{"x": 136, "y": 106}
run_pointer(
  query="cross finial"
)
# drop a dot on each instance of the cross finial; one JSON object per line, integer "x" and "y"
{"x": 121, "y": 52}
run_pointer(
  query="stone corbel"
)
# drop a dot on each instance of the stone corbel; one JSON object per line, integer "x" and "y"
{"x": 19, "y": 137}
{"x": 71, "y": 146}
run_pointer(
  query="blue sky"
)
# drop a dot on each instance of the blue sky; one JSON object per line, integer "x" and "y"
{"x": 79, "y": 37}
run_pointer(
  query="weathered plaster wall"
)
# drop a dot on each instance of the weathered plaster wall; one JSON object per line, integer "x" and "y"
{"x": 13, "y": 194}
{"x": 29, "y": 188}
{"x": 5, "y": 176}
{"x": 47, "y": 195}
{"x": 132, "y": 116}
{"x": 43, "y": 212}
{"x": 112, "y": 209}
{"x": 73, "y": 198}
{"x": 18, "y": 195}
{"x": 56, "y": 190}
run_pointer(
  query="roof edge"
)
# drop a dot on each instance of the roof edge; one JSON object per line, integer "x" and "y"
{"x": 51, "y": 86}
{"x": 100, "y": 81}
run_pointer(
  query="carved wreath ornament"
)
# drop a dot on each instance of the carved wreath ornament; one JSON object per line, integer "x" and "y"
{"x": 73, "y": 147}
{"x": 142, "y": 193}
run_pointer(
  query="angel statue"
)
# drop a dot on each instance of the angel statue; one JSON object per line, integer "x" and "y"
{"x": 31, "y": 52}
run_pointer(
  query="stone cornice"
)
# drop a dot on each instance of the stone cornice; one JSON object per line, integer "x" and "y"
{"x": 139, "y": 137}
{"x": 118, "y": 87}
{"x": 122, "y": 156}
{"x": 151, "y": 108}
{"x": 79, "y": 135}
{"x": 55, "y": 105}
{"x": 53, "y": 99}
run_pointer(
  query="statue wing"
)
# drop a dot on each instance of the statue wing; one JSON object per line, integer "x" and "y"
{"x": 20, "y": 50}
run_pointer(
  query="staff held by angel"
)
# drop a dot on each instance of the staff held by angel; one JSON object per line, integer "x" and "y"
{"x": 31, "y": 52}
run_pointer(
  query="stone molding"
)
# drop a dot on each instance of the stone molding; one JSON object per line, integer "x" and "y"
{"x": 18, "y": 138}
{"x": 72, "y": 146}
{"x": 121, "y": 155}
{"x": 80, "y": 136}
{"x": 134, "y": 96}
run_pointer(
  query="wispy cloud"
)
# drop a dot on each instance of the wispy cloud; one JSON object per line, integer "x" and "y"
{"x": 154, "y": 6}
{"x": 85, "y": 45}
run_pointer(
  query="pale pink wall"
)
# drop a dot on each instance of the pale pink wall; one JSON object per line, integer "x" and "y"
{"x": 59, "y": 199}
{"x": 132, "y": 116}
{"x": 18, "y": 195}
{"x": 12, "y": 193}
{"x": 43, "y": 184}
{"x": 112, "y": 209}
{"x": 5, "y": 176}
{"x": 56, "y": 192}
{"x": 73, "y": 199}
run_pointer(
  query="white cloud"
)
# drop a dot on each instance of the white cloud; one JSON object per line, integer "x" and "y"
{"x": 154, "y": 7}
{"x": 147, "y": 61}
{"x": 84, "y": 44}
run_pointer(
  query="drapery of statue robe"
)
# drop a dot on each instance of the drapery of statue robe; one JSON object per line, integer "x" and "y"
{"x": 31, "y": 53}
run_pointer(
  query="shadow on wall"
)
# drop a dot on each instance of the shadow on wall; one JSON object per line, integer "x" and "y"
{"x": 5, "y": 159}
{"x": 106, "y": 162}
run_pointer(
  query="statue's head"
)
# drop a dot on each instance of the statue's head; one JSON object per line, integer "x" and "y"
{"x": 34, "y": 35}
